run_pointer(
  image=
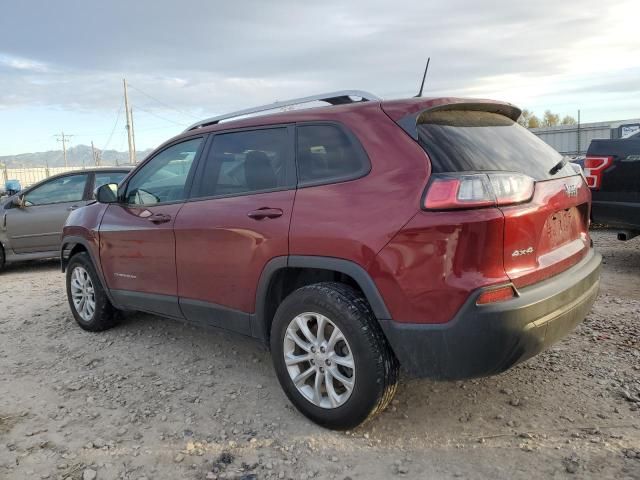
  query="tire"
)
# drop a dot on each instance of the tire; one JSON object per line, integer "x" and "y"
{"x": 103, "y": 315}
{"x": 2, "y": 258}
{"x": 374, "y": 375}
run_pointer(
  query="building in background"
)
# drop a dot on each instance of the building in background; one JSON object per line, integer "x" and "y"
{"x": 573, "y": 140}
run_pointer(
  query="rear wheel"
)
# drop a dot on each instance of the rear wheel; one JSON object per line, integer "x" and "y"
{"x": 2, "y": 258}
{"x": 88, "y": 301}
{"x": 331, "y": 357}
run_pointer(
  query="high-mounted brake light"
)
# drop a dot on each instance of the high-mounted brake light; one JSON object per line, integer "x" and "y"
{"x": 594, "y": 167}
{"x": 456, "y": 191}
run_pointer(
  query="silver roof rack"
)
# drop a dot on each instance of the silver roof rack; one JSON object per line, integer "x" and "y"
{"x": 333, "y": 98}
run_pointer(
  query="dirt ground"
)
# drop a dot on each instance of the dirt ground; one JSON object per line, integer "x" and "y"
{"x": 155, "y": 399}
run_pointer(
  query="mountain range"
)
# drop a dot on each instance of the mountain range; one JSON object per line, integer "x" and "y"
{"x": 77, "y": 156}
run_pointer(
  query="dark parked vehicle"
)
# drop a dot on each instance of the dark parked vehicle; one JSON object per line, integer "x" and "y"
{"x": 31, "y": 221}
{"x": 612, "y": 168}
{"x": 433, "y": 233}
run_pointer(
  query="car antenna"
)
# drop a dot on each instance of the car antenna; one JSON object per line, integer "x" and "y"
{"x": 423, "y": 78}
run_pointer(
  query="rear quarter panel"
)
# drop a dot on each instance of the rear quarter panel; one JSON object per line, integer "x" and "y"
{"x": 432, "y": 265}
{"x": 354, "y": 220}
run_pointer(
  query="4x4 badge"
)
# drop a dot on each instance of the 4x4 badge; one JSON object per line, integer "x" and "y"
{"x": 519, "y": 253}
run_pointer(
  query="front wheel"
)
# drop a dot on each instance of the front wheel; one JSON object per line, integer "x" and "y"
{"x": 331, "y": 357}
{"x": 88, "y": 301}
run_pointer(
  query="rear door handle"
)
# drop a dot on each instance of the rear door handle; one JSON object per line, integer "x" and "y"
{"x": 159, "y": 218}
{"x": 265, "y": 212}
{"x": 72, "y": 208}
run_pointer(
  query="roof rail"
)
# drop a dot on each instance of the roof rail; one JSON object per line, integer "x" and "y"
{"x": 333, "y": 98}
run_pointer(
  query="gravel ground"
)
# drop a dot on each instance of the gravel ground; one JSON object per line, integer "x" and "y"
{"x": 155, "y": 399}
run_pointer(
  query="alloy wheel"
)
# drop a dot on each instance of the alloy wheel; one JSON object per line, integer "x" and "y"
{"x": 82, "y": 293}
{"x": 319, "y": 360}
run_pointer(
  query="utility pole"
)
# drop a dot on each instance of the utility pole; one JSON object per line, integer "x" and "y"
{"x": 64, "y": 139}
{"x": 96, "y": 155}
{"x": 578, "y": 133}
{"x": 132, "y": 159}
{"x": 133, "y": 138}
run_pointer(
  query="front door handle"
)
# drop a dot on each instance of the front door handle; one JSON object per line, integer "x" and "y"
{"x": 72, "y": 208}
{"x": 265, "y": 212}
{"x": 159, "y": 218}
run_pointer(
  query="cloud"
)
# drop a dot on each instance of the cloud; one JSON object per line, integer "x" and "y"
{"x": 203, "y": 57}
{"x": 18, "y": 63}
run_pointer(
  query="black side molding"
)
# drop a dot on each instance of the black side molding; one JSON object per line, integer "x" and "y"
{"x": 250, "y": 324}
{"x": 213, "y": 315}
{"x": 258, "y": 322}
{"x": 165, "y": 305}
{"x": 352, "y": 269}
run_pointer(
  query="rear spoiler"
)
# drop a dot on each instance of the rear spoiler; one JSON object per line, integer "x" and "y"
{"x": 406, "y": 114}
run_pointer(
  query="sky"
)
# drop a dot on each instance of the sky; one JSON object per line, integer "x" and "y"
{"x": 62, "y": 63}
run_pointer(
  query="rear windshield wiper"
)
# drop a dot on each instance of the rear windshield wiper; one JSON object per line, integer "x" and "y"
{"x": 558, "y": 166}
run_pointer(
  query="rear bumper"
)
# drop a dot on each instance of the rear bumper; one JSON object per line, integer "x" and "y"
{"x": 489, "y": 339}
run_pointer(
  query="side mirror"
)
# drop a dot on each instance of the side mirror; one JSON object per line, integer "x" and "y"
{"x": 107, "y": 193}
{"x": 18, "y": 201}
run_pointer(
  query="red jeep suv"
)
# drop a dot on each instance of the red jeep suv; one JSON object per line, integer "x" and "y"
{"x": 436, "y": 234}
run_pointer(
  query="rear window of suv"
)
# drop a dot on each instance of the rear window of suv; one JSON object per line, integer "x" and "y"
{"x": 328, "y": 154}
{"x": 465, "y": 140}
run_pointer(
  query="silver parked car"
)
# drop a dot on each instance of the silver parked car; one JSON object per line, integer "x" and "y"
{"x": 31, "y": 221}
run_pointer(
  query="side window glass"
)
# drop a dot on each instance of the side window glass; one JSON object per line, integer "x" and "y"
{"x": 104, "y": 178}
{"x": 247, "y": 162}
{"x": 164, "y": 177}
{"x": 59, "y": 190}
{"x": 327, "y": 154}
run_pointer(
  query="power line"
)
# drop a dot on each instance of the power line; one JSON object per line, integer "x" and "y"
{"x": 161, "y": 117}
{"x": 160, "y": 127}
{"x": 122, "y": 140}
{"x": 114, "y": 126}
{"x": 163, "y": 103}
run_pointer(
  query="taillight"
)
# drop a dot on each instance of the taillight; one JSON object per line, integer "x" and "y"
{"x": 456, "y": 191}
{"x": 594, "y": 167}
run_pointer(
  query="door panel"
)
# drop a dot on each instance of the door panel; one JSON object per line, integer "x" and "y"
{"x": 37, "y": 227}
{"x": 137, "y": 253}
{"x": 221, "y": 251}
{"x": 137, "y": 244}
{"x": 223, "y": 241}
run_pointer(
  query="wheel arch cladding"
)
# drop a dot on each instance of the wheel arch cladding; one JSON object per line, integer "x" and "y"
{"x": 283, "y": 275}
{"x": 72, "y": 246}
